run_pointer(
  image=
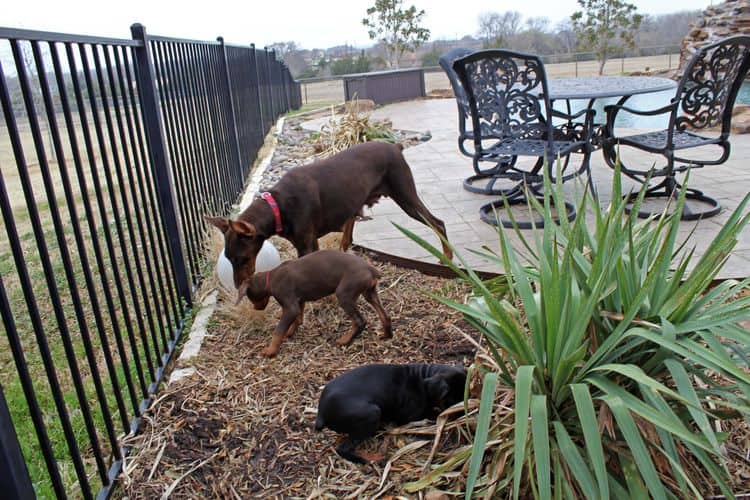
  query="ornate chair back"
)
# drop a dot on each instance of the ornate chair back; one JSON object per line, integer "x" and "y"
{"x": 709, "y": 85}
{"x": 462, "y": 101}
{"x": 508, "y": 95}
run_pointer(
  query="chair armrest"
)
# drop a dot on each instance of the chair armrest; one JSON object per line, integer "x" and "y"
{"x": 615, "y": 108}
{"x": 612, "y": 110}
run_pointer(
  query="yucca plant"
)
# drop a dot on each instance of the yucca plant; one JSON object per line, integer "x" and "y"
{"x": 620, "y": 354}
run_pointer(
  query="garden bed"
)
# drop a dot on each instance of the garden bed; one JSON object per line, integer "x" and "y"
{"x": 252, "y": 418}
{"x": 242, "y": 425}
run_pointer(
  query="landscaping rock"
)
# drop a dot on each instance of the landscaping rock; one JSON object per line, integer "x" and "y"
{"x": 719, "y": 21}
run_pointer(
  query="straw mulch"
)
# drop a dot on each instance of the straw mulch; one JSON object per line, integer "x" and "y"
{"x": 242, "y": 426}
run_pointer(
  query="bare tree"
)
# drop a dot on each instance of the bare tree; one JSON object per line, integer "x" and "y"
{"x": 498, "y": 29}
{"x": 565, "y": 37}
{"x": 293, "y": 56}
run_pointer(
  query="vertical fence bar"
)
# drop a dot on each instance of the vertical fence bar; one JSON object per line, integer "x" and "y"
{"x": 232, "y": 111}
{"x": 259, "y": 93}
{"x": 269, "y": 77}
{"x": 14, "y": 476}
{"x": 158, "y": 155}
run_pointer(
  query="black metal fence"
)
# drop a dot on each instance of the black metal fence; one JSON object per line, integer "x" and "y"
{"x": 111, "y": 152}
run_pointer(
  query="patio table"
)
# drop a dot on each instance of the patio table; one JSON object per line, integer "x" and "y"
{"x": 591, "y": 88}
{"x": 595, "y": 87}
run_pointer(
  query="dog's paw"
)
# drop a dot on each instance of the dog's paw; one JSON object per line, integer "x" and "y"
{"x": 344, "y": 340}
{"x": 270, "y": 352}
{"x": 372, "y": 457}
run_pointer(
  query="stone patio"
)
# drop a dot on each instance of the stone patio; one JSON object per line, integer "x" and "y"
{"x": 439, "y": 169}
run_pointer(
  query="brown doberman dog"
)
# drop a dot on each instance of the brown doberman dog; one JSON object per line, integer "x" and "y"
{"x": 313, "y": 277}
{"x": 325, "y": 196}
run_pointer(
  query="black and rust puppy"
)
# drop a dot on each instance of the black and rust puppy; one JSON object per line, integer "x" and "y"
{"x": 361, "y": 401}
{"x": 313, "y": 277}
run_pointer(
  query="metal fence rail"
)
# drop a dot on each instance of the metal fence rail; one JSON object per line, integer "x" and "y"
{"x": 111, "y": 153}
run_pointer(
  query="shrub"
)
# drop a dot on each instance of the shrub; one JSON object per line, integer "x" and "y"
{"x": 619, "y": 357}
{"x": 350, "y": 128}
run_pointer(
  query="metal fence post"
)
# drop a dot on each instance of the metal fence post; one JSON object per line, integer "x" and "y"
{"x": 14, "y": 476}
{"x": 153, "y": 128}
{"x": 282, "y": 82}
{"x": 267, "y": 65}
{"x": 258, "y": 92}
{"x": 231, "y": 107}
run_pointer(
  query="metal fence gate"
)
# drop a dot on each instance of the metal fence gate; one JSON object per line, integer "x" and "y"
{"x": 111, "y": 153}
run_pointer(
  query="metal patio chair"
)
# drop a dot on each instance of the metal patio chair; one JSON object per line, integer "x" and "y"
{"x": 704, "y": 99}
{"x": 509, "y": 104}
{"x": 466, "y": 134}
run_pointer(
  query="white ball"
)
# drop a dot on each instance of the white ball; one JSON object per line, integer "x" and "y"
{"x": 267, "y": 259}
{"x": 225, "y": 272}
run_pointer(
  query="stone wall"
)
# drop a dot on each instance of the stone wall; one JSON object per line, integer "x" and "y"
{"x": 718, "y": 21}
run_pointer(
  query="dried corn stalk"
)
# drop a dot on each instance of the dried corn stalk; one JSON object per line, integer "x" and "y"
{"x": 353, "y": 127}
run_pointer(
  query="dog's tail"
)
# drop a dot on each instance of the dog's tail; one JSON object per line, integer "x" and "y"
{"x": 319, "y": 424}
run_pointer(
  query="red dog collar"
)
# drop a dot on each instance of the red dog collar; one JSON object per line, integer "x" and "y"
{"x": 275, "y": 208}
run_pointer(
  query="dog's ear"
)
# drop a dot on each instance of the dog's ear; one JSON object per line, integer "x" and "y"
{"x": 437, "y": 389}
{"x": 242, "y": 228}
{"x": 219, "y": 222}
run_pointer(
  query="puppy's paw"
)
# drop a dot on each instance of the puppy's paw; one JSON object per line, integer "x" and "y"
{"x": 372, "y": 457}
{"x": 344, "y": 340}
{"x": 270, "y": 352}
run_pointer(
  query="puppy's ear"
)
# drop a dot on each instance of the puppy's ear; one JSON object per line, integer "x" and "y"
{"x": 437, "y": 389}
{"x": 219, "y": 222}
{"x": 242, "y": 228}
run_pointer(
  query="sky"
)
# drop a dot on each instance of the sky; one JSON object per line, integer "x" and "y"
{"x": 311, "y": 24}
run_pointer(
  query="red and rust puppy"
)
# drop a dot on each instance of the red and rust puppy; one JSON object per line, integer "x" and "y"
{"x": 359, "y": 402}
{"x": 313, "y": 200}
{"x": 312, "y": 277}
